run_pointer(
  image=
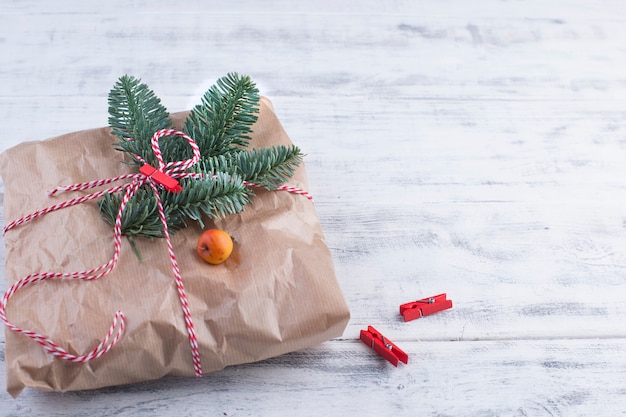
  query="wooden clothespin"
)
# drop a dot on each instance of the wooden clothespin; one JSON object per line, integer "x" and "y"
{"x": 425, "y": 307}
{"x": 383, "y": 346}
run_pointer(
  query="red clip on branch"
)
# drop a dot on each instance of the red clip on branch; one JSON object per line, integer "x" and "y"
{"x": 425, "y": 307}
{"x": 383, "y": 346}
{"x": 161, "y": 178}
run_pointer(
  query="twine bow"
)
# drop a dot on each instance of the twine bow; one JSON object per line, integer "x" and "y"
{"x": 165, "y": 175}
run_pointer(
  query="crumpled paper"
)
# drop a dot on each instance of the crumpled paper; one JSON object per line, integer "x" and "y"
{"x": 277, "y": 293}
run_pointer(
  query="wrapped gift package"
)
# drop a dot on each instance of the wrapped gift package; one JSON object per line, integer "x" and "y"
{"x": 277, "y": 293}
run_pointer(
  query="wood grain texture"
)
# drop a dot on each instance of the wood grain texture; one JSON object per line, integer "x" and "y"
{"x": 451, "y": 147}
{"x": 442, "y": 379}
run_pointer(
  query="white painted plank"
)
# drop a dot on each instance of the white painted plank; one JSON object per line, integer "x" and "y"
{"x": 505, "y": 378}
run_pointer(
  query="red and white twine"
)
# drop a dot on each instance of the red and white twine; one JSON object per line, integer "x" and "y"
{"x": 175, "y": 169}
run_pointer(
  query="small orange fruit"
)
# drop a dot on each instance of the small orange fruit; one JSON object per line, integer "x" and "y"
{"x": 214, "y": 246}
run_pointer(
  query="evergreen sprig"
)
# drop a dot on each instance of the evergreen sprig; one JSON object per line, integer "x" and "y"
{"x": 268, "y": 167}
{"x": 221, "y": 126}
{"x": 135, "y": 113}
{"x": 222, "y": 122}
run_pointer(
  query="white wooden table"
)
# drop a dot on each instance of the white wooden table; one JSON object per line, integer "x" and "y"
{"x": 473, "y": 148}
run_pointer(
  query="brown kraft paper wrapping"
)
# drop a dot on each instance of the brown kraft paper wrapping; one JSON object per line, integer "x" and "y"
{"x": 277, "y": 293}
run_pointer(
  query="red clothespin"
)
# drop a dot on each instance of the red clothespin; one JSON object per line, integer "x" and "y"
{"x": 425, "y": 307}
{"x": 383, "y": 346}
{"x": 162, "y": 178}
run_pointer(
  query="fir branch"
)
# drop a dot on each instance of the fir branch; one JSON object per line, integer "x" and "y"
{"x": 141, "y": 215}
{"x": 268, "y": 167}
{"x": 135, "y": 114}
{"x": 220, "y": 125}
{"x": 215, "y": 194}
{"x": 224, "y": 119}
